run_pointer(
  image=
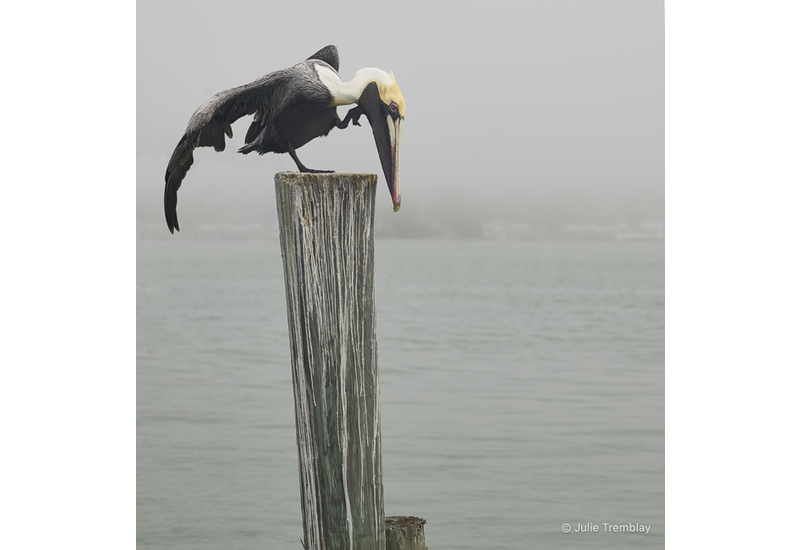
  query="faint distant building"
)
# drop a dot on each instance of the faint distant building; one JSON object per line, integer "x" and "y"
{"x": 500, "y": 230}
{"x": 648, "y": 231}
{"x": 590, "y": 232}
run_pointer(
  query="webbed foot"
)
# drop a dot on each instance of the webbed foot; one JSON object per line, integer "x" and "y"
{"x": 353, "y": 114}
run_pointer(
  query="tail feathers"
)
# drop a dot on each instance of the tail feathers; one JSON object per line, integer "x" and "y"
{"x": 256, "y": 146}
{"x": 254, "y": 137}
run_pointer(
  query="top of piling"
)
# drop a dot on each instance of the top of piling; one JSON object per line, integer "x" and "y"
{"x": 309, "y": 178}
{"x": 403, "y": 521}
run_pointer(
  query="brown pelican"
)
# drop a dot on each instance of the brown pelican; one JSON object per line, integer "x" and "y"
{"x": 291, "y": 107}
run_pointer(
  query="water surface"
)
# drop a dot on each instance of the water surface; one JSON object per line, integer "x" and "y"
{"x": 522, "y": 387}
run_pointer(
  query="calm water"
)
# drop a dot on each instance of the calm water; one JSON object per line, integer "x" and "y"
{"x": 522, "y": 387}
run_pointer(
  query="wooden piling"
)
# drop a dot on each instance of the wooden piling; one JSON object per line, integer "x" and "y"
{"x": 405, "y": 533}
{"x": 327, "y": 244}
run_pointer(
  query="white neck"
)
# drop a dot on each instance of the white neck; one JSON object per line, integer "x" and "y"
{"x": 345, "y": 93}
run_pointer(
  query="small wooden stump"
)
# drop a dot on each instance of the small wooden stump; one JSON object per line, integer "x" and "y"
{"x": 405, "y": 533}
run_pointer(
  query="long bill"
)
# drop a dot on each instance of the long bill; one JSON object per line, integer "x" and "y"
{"x": 388, "y": 133}
{"x": 387, "y": 129}
{"x": 392, "y": 171}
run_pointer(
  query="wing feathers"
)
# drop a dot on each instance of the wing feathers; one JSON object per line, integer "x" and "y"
{"x": 207, "y": 128}
{"x": 328, "y": 54}
{"x": 212, "y": 121}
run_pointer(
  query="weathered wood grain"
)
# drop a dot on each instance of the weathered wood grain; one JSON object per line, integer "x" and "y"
{"x": 405, "y": 533}
{"x": 327, "y": 243}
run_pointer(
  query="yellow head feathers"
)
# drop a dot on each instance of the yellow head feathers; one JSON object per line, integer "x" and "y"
{"x": 390, "y": 91}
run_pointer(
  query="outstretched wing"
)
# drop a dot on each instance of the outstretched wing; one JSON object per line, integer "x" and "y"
{"x": 209, "y": 125}
{"x": 211, "y": 122}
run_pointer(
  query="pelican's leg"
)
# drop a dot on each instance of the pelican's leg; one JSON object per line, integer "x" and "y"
{"x": 353, "y": 114}
{"x": 301, "y": 167}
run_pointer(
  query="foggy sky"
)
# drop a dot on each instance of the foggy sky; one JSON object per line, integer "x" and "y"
{"x": 539, "y": 110}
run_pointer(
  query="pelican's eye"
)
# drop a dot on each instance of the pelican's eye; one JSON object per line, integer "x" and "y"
{"x": 393, "y": 107}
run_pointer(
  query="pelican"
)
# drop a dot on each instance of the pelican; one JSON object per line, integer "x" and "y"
{"x": 291, "y": 107}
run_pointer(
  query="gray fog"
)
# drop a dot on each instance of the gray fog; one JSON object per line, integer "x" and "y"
{"x": 545, "y": 113}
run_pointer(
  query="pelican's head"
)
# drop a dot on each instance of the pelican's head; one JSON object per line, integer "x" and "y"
{"x": 385, "y": 108}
